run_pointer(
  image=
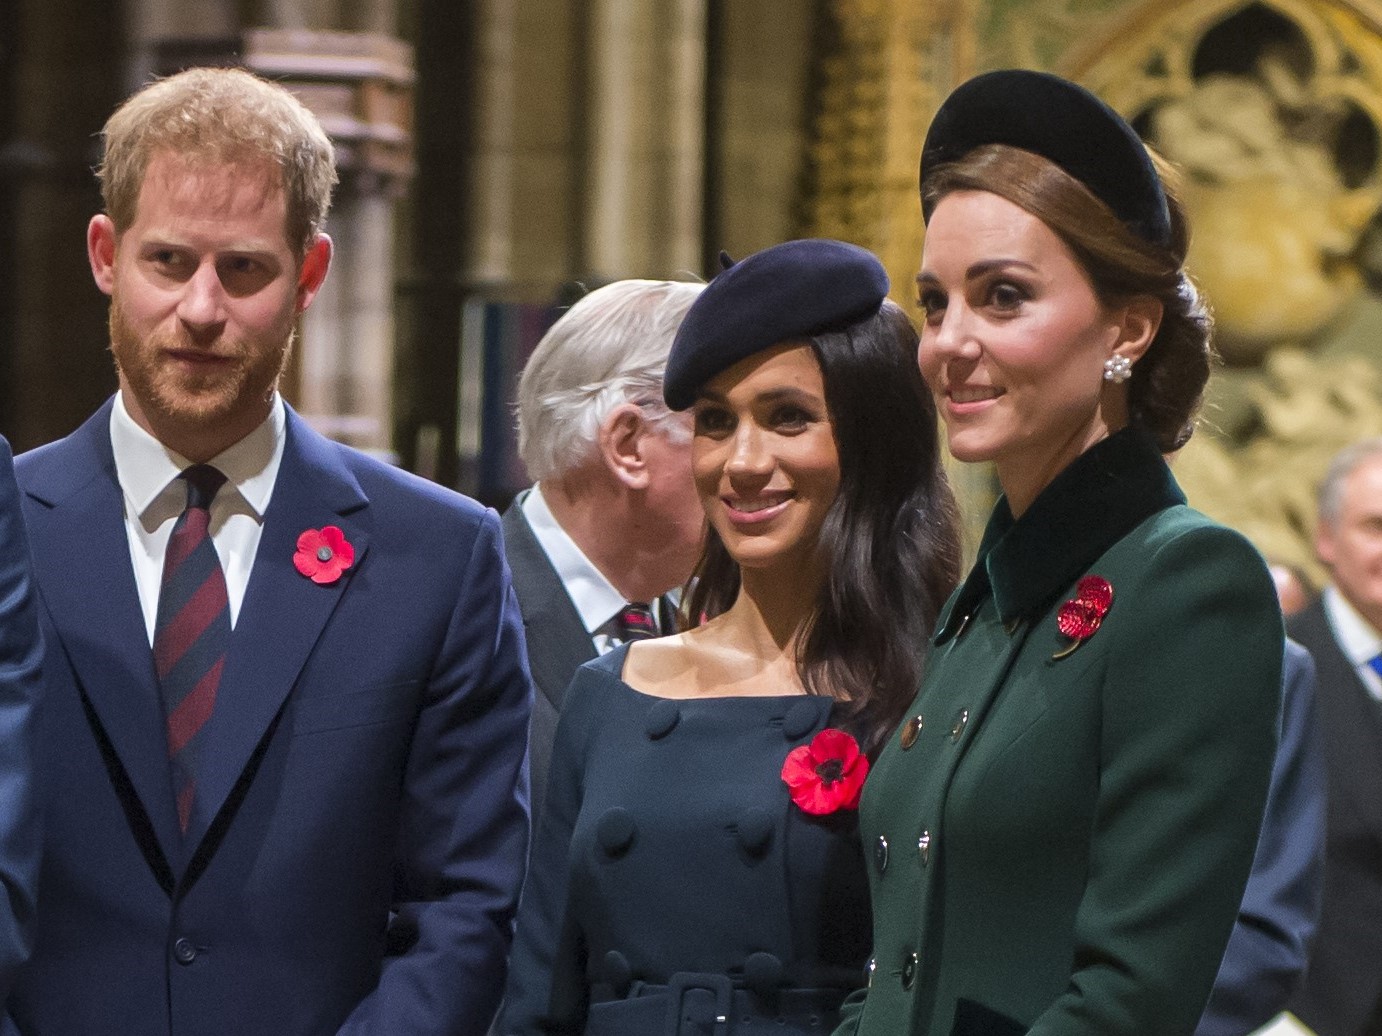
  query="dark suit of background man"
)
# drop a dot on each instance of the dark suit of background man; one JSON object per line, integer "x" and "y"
{"x": 614, "y": 516}
{"x": 1342, "y": 994}
{"x": 284, "y": 732}
{"x": 21, "y": 660}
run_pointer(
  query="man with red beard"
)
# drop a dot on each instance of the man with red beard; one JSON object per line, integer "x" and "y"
{"x": 282, "y": 749}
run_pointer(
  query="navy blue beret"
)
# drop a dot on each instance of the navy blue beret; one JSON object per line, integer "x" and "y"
{"x": 790, "y": 291}
{"x": 1062, "y": 122}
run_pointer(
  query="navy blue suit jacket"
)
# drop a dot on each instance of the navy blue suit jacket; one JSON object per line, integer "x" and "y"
{"x": 21, "y": 658}
{"x": 362, "y": 824}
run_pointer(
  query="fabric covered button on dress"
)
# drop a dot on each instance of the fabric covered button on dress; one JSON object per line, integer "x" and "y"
{"x": 615, "y": 831}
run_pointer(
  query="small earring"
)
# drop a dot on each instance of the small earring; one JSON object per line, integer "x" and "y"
{"x": 1117, "y": 369}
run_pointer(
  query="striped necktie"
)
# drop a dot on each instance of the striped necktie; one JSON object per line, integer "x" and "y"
{"x": 636, "y": 622}
{"x": 191, "y": 633}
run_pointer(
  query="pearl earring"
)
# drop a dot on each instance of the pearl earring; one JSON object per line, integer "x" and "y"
{"x": 1117, "y": 369}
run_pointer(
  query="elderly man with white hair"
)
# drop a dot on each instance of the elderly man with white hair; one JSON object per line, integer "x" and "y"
{"x": 613, "y": 522}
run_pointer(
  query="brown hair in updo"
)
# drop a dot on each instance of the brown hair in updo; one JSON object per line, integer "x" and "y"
{"x": 1167, "y": 383}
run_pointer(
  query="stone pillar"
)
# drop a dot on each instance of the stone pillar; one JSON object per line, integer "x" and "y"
{"x": 377, "y": 16}
{"x": 646, "y": 138}
{"x": 526, "y": 181}
{"x": 360, "y": 86}
{"x": 760, "y": 95}
{"x": 155, "y": 26}
{"x": 491, "y": 208}
{"x": 345, "y": 366}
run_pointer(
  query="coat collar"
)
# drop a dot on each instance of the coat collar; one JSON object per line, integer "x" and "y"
{"x": 1098, "y": 499}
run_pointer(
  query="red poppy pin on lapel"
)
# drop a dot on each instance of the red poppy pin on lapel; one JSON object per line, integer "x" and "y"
{"x": 323, "y": 554}
{"x": 826, "y": 775}
{"x": 1080, "y": 617}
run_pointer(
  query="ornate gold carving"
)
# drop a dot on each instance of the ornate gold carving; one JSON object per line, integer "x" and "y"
{"x": 1309, "y": 408}
{"x": 1042, "y": 33}
{"x": 882, "y": 77}
{"x": 1278, "y": 139}
{"x": 1273, "y": 111}
{"x": 888, "y": 67}
{"x": 1283, "y": 156}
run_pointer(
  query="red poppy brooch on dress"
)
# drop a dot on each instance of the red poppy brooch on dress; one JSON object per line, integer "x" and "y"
{"x": 323, "y": 554}
{"x": 1080, "y": 617}
{"x": 826, "y": 775}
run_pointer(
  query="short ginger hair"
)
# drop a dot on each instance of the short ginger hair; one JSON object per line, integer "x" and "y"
{"x": 217, "y": 116}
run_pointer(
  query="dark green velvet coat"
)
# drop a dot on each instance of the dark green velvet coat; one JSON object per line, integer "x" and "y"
{"x": 1063, "y": 847}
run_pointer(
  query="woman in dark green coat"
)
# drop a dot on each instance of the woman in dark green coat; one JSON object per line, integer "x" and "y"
{"x": 1061, "y": 830}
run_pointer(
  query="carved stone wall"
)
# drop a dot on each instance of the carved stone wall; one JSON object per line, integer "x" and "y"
{"x": 885, "y": 66}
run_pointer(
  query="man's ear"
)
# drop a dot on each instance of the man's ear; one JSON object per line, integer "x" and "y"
{"x": 314, "y": 266}
{"x": 1324, "y": 544}
{"x": 621, "y": 445}
{"x": 100, "y": 251}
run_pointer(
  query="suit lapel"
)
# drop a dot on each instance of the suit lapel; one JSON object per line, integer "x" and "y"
{"x": 283, "y": 613}
{"x": 82, "y": 558}
{"x": 557, "y": 640}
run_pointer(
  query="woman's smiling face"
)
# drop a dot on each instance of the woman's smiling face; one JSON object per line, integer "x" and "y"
{"x": 764, "y": 457}
{"x": 1014, "y": 341}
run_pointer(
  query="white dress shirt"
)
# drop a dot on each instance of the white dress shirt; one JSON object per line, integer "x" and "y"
{"x": 596, "y": 600}
{"x": 1357, "y": 639}
{"x": 154, "y": 498}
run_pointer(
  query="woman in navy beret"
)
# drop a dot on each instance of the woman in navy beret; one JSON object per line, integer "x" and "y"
{"x": 1065, "y": 821}
{"x": 698, "y": 868}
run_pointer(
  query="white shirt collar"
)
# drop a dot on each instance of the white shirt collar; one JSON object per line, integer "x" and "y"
{"x": 594, "y": 596}
{"x": 1358, "y": 640}
{"x": 146, "y": 468}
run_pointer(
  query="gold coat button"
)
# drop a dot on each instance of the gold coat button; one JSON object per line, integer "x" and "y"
{"x": 880, "y": 854}
{"x": 961, "y": 722}
{"x": 910, "y": 730}
{"x": 909, "y": 970}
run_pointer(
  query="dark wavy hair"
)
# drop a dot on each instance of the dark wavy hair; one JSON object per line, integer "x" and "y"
{"x": 1167, "y": 384}
{"x": 890, "y": 540}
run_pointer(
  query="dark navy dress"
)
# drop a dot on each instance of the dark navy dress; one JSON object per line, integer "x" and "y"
{"x": 674, "y": 887}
